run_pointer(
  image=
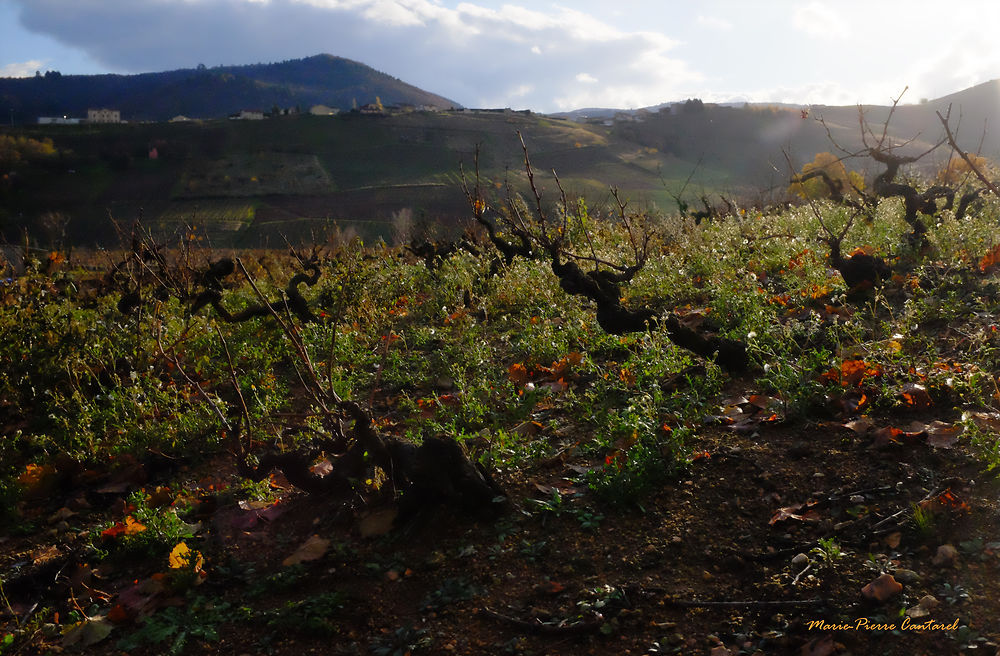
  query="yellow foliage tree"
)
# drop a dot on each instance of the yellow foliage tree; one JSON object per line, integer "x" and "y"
{"x": 14, "y": 150}
{"x": 815, "y": 178}
{"x": 957, "y": 170}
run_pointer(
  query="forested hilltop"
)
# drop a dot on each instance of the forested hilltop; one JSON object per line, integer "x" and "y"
{"x": 214, "y": 92}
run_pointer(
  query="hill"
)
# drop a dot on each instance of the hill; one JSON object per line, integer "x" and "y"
{"x": 212, "y": 92}
{"x": 246, "y": 182}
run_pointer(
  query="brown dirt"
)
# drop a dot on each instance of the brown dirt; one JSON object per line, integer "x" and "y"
{"x": 537, "y": 582}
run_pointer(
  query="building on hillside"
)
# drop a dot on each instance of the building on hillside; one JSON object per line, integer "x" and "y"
{"x": 104, "y": 116}
{"x": 323, "y": 110}
{"x": 248, "y": 115}
{"x": 59, "y": 120}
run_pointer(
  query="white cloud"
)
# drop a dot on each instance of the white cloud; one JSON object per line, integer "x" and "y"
{"x": 22, "y": 69}
{"x": 822, "y": 22}
{"x": 468, "y": 52}
{"x": 715, "y": 23}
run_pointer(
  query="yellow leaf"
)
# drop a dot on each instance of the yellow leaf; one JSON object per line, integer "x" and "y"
{"x": 183, "y": 557}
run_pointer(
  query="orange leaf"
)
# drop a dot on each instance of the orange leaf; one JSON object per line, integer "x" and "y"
{"x": 132, "y": 526}
{"x": 991, "y": 259}
{"x": 517, "y": 373}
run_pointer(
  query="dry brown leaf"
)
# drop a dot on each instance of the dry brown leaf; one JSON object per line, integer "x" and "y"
{"x": 861, "y": 426}
{"x": 915, "y": 396}
{"x": 312, "y": 549}
{"x": 792, "y": 512}
{"x": 943, "y": 435}
{"x": 883, "y": 588}
{"x": 984, "y": 420}
{"x": 378, "y": 523}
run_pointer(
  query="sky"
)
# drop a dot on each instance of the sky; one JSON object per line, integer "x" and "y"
{"x": 543, "y": 56}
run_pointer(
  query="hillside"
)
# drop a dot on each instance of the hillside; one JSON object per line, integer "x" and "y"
{"x": 247, "y": 181}
{"x": 251, "y": 182}
{"x": 212, "y": 92}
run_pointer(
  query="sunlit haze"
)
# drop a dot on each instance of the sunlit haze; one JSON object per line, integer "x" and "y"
{"x": 543, "y": 56}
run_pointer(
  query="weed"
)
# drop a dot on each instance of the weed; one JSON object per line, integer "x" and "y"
{"x": 313, "y": 615}
{"x": 148, "y": 531}
{"x": 923, "y": 520}
{"x": 828, "y": 551}
{"x": 451, "y": 591}
{"x": 170, "y": 629}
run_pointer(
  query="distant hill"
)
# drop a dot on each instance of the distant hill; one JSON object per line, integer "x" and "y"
{"x": 247, "y": 182}
{"x": 212, "y": 92}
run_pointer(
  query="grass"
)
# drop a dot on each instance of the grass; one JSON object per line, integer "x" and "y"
{"x": 503, "y": 361}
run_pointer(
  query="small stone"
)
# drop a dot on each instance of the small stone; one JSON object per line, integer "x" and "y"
{"x": 676, "y": 539}
{"x": 946, "y": 556}
{"x": 907, "y": 576}
{"x": 707, "y": 576}
{"x": 800, "y": 559}
{"x": 392, "y": 575}
{"x": 60, "y": 515}
{"x": 857, "y": 498}
{"x": 928, "y": 602}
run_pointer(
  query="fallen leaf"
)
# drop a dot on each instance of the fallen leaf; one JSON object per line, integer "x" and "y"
{"x": 183, "y": 557}
{"x": 985, "y": 420}
{"x": 130, "y": 526}
{"x": 88, "y": 632}
{"x": 943, "y": 435}
{"x": 860, "y": 427}
{"x": 893, "y": 539}
{"x": 990, "y": 260}
{"x": 792, "y": 512}
{"x": 517, "y": 373}
{"x": 45, "y": 554}
{"x": 321, "y": 468}
{"x": 915, "y": 395}
{"x": 527, "y": 428}
{"x": 160, "y": 497}
{"x": 377, "y": 523}
{"x": 118, "y": 614}
{"x": 883, "y": 588}
{"x": 312, "y": 549}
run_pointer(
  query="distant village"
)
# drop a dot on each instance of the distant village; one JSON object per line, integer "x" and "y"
{"x": 601, "y": 117}
{"x": 110, "y": 116}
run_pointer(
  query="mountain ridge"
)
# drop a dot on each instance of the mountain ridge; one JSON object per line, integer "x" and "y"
{"x": 215, "y": 92}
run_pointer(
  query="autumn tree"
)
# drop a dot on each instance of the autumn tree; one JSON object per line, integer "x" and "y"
{"x": 826, "y": 177}
{"x": 957, "y": 171}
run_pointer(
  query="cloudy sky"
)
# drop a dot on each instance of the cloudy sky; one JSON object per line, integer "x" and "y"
{"x": 545, "y": 56}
